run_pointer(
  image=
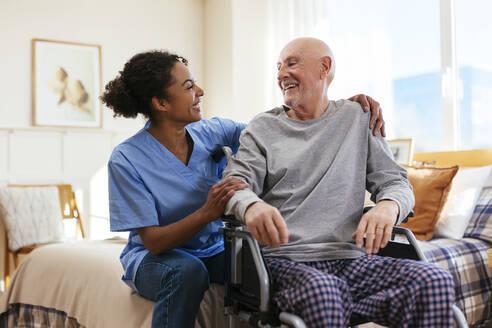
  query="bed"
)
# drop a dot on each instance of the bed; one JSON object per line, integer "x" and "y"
{"x": 78, "y": 284}
{"x": 467, "y": 258}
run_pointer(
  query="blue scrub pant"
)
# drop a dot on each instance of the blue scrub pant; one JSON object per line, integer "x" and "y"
{"x": 177, "y": 281}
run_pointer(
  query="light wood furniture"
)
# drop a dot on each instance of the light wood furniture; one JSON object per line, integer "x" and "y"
{"x": 490, "y": 257}
{"x": 463, "y": 158}
{"x": 69, "y": 210}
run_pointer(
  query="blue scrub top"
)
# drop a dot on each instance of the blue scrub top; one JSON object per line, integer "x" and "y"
{"x": 149, "y": 186}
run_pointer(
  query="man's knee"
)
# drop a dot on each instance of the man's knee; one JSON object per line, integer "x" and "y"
{"x": 444, "y": 280}
{"x": 429, "y": 272}
{"x": 327, "y": 286}
{"x": 435, "y": 279}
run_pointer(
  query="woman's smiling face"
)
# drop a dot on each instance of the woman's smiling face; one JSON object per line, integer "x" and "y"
{"x": 184, "y": 96}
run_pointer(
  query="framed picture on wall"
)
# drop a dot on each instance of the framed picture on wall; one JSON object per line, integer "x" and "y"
{"x": 66, "y": 84}
{"x": 402, "y": 150}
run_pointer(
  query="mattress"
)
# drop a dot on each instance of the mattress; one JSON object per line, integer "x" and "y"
{"x": 79, "y": 284}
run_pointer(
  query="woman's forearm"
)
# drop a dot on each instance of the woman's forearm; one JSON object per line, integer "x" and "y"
{"x": 159, "y": 239}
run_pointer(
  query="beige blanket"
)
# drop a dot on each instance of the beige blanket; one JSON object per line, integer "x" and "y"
{"x": 83, "y": 279}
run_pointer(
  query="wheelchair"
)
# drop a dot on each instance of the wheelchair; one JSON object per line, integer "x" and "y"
{"x": 248, "y": 288}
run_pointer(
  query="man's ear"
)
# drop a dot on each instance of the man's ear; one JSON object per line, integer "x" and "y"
{"x": 160, "y": 104}
{"x": 325, "y": 66}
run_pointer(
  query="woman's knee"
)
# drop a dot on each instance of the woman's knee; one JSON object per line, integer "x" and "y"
{"x": 160, "y": 275}
{"x": 193, "y": 274}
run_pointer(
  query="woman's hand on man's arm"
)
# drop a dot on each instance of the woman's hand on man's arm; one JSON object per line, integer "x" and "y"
{"x": 158, "y": 239}
{"x": 367, "y": 104}
{"x": 219, "y": 195}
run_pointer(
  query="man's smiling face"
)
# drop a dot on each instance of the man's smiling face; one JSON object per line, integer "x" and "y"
{"x": 298, "y": 74}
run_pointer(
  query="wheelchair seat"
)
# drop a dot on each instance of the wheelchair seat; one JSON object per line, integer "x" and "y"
{"x": 248, "y": 288}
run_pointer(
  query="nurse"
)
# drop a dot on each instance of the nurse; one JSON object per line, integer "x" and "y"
{"x": 164, "y": 185}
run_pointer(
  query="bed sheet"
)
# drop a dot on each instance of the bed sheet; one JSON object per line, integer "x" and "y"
{"x": 467, "y": 261}
{"x": 82, "y": 281}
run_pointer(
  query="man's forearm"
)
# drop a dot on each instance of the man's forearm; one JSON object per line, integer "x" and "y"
{"x": 385, "y": 179}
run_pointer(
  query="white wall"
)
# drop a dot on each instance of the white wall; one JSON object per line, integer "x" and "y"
{"x": 122, "y": 28}
{"x": 218, "y": 77}
{"x": 251, "y": 65}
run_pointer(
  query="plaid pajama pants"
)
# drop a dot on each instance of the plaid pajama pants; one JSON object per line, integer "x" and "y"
{"x": 391, "y": 292}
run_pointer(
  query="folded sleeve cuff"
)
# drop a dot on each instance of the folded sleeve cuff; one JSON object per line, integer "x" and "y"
{"x": 403, "y": 199}
{"x": 239, "y": 203}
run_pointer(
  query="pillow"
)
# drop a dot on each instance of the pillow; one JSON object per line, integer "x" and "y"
{"x": 480, "y": 225}
{"x": 431, "y": 187}
{"x": 462, "y": 198}
{"x": 488, "y": 181}
{"x": 31, "y": 215}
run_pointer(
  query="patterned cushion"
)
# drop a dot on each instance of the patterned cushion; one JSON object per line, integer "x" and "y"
{"x": 31, "y": 215}
{"x": 480, "y": 225}
{"x": 467, "y": 260}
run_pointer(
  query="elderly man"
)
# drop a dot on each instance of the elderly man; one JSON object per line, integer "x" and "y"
{"x": 308, "y": 164}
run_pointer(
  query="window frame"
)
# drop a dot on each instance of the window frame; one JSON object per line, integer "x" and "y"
{"x": 451, "y": 139}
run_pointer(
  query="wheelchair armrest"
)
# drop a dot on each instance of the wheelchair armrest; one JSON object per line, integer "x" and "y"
{"x": 412, "y": 240}
{"x": 236, "y": 232}
{"x": 230, "y": 221}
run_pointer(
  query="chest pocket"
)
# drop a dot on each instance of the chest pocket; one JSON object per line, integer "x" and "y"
{"x": 209, "y": 175}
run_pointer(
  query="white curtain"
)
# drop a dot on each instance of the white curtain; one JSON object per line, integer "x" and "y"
{"x": 362, "y": 55}
{"x": 289, "y": 19}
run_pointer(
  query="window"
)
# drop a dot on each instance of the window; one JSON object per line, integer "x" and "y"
{"x": 393, "y": 57}
{"x": 474, "y": 61}
{"x": 426, "y": 61}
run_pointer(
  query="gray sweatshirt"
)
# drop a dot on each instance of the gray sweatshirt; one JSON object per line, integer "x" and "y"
{"x": 315, "y": 173}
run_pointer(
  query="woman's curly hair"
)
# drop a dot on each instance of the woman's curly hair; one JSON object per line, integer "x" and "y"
{"x": 145, "y": 75}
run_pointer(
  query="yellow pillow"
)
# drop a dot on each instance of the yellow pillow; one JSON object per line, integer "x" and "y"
{"x": 431, "y": 188}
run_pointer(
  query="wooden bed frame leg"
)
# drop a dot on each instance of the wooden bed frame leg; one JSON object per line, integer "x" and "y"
{"x": 16, "y": 260}
{"x": 6, "y": 279}
{"x": 6, "y": 268}
{"x": 79, "y": 225}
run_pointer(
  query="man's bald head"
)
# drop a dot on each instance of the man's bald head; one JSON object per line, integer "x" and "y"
{"x": 306, "y": 67}
{"x": 309, "y": 46}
